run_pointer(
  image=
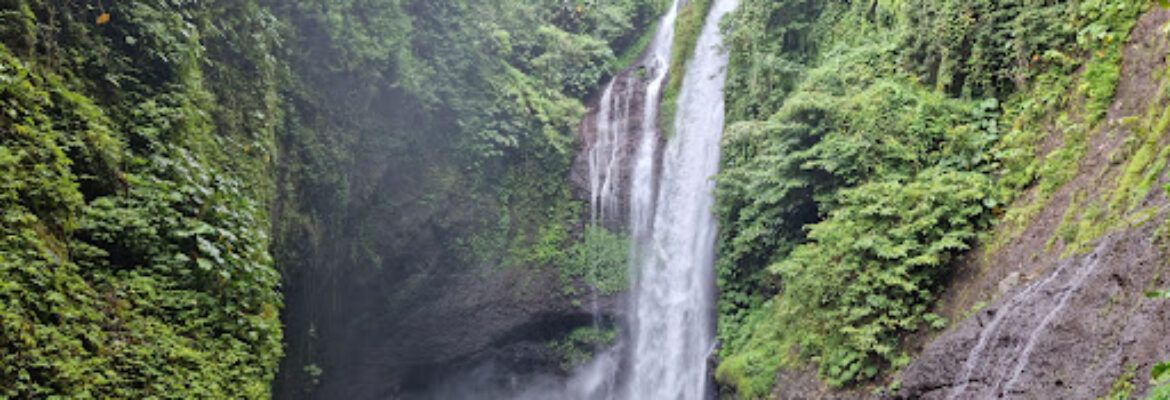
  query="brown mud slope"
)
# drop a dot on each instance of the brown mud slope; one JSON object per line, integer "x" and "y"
{"x": 1065, "y": 326}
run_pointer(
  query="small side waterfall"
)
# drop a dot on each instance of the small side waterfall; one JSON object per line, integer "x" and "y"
{"x": 621, "y": 160}
{"x": 623, "y": 150}
{"x": 606, "y": 156}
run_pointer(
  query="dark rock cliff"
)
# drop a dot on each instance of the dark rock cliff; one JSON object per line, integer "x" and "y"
{"x": 412, "y": 317}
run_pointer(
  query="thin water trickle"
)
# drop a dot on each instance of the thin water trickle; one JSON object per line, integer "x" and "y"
{"x": 976, "y": 353}
{"x": 1050, "y": 297}
{"x": 1067, "y": 292}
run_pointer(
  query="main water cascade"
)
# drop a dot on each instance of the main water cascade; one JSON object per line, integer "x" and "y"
{"x": 673, "y": 320}
{"x": 670, "y": 218}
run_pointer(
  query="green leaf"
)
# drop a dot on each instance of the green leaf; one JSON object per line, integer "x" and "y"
{"x": 204, "y": 264}
{"x": 1161, "y": 372}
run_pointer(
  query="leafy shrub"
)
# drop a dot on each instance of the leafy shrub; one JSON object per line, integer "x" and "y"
{"x": 1160, "y": 375}
{"x": 134, "y": 262}
{"x": 578, "y": 346}
{"x": 871, "y": 268}
{"x": 600, "y": 259}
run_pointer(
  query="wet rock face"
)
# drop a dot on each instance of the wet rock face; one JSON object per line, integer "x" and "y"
{"x": 602, "y": 168}
{"x": 1066, "y": 334}
{"x": 457, "y": 322}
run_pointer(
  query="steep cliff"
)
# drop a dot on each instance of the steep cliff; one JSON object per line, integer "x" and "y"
{"x": 1055, "y": 306}
{"x": 943, "y": 200}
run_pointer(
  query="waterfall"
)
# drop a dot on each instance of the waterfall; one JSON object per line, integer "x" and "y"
{"x": 667, "y": 205}
{"x": 674, "y": 289}
{"x": 661, "y": 192}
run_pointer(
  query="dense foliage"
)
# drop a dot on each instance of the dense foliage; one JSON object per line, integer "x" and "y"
{"x": 425, "y": 138}
{"x": 868, "y": 144}
{"x": 578, "y": 347}
{"x": 135, "y": 145}
{"x": 600, "y": 259}
{"x": 144, "y": 143}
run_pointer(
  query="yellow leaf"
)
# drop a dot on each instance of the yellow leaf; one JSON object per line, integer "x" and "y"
{"x": 104, "y": 18}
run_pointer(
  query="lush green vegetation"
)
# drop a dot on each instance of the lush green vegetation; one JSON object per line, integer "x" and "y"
{"x": 153, "y": 152}
{"x": 135, "y": 144}
{"x": 687, "y": 27}
{"x": 425, "y": 138}
{"x": 870, "y": 143}
{"x": 577, "y": 347}
{"x": 150, "y": 147}
{"x": 599, "y": 259}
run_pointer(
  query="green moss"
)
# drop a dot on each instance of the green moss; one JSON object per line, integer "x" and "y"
{"x": 1146, "y": 159}
{"x": 687, "y": 28}
{"x": 1143, "y": 161}
{"x": 1123, "y": 387}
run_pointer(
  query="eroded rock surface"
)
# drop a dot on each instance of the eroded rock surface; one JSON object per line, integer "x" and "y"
{"x": 1069, "y": 333}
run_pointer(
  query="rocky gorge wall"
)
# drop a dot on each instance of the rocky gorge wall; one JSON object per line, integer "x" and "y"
{"x": 424, "y": 222}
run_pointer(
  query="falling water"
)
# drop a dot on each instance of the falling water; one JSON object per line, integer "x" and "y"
{"x": 605, "y": 156}
{"x": 976, "y": 353}
{"x": 670, "y": 217}
{"x": 674, "y": 268}
{"x": 1029, "y": 311}
{"x": 610, "y": 158}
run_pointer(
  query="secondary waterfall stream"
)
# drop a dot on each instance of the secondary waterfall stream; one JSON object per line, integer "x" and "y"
{"x": 660, "y": 191}
{"x": 669, "y": 217}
